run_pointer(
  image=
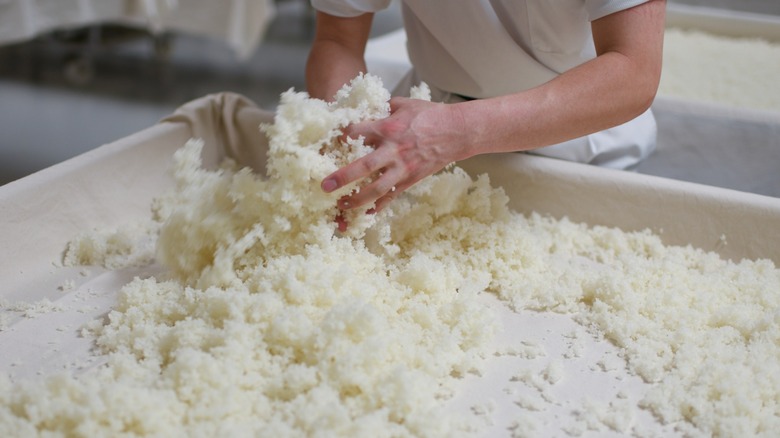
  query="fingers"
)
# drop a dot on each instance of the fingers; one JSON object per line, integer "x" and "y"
{"x": 354, "y": 201}
{"x": 385, "y": 184}
{"x": 359, "y": 169}
{"x": 396, "y": 102}
{"x": 341, "y": 222}
{"x": 383, "y": 169}
{"x": 384, "y": 201}
{"x": 367, "y": 130}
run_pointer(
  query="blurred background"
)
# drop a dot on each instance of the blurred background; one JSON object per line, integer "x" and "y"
{"x": 75, "y": 86}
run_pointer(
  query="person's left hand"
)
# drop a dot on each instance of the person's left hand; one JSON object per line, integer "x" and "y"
{"x": 418, "y": 139}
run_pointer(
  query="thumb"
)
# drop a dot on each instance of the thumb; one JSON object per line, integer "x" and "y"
{"x": 396, "y": 103}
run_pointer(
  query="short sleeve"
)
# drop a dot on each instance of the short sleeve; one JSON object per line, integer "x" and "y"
{"x": 349, "y": 8}
{"x": 601, "y": 8}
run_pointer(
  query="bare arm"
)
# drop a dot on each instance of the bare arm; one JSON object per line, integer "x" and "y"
{"x": 420, "y": 138}
{"x": 336, "y": 54}
{"x": 615, "y": 87}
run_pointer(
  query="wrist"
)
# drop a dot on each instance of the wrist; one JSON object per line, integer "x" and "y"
{"x": 462, "y": 133}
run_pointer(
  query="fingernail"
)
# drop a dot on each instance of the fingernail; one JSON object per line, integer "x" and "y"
{"x": 329, "y": 185}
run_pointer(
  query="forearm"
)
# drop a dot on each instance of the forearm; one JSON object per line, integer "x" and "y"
{"x": 595, "y": 96}
{"x": 329, "y": 67}
{"x": 337, "y": 53}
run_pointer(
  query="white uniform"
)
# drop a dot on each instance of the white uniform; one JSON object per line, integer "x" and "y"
{"x": 487, "y": 48}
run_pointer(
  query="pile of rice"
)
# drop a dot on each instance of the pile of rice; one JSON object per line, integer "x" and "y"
{"x": 272, "y": 323}
{"x": 737, "y": 72}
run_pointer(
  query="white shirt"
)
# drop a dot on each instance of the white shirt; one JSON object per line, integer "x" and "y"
{"x": 488, "y": 48}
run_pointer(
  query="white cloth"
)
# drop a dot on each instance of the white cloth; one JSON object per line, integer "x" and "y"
{"x": 489, "y": 48}
{"x": 241, "y": 23}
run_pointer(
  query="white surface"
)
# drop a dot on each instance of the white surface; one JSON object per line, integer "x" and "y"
{"x": 588, "y": 375}
{"x": 240, "y": 23}
{"x": 108, "y": 186}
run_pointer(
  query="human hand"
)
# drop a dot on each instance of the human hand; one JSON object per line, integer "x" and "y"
{"x": 418, "y": 139}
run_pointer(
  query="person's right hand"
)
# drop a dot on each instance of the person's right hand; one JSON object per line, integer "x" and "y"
{"x": 416, "y": 140}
